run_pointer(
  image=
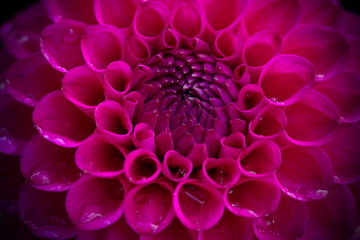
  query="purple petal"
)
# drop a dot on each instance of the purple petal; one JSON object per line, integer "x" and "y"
{"x": 250, "y": 100}
{"x": 227, "y": 47}
{"x": 198, "y": 154}
{"x": 117, "y": 79}
{"x": 176, "y": 167}
{"x": 143, "y": 137}
{"x": 168, "y": 40}
{"x": 137, "y": 51}
{"x": 232, "y": 145}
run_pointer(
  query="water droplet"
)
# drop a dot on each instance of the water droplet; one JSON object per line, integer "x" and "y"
{"x": 59, "y": 141}
{"x": 319, "y": 77}
{"x": 40, "y": 178}
{"x": 274, "y": 99}
{"x": 88, "y": 215}
{"x": 236, "y": 205}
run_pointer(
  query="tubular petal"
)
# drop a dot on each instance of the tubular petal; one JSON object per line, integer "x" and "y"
{"x": 137, "y": 51}
{"x": 250, "y": 100}
{"x": 176, "y": 167}
{"x": 261, "y": 158}
{"x": 95, "y": 203}
{"x": 141, "y": 166}
{"x": 227, "y": 47}
{"x": 100, "y": 158}
{"x": 31, "y": 78}
{"x": 48, "y": 221}
{"x": 253, "y": 197}
{"x": 117, "y": 13}
{"x": 168, "y": 40}
{"x": 143, "y": 137}
{"x": 47, "y": 166}
{"x": 60, "y": 122}
{"x": 198, "y": 206}
{"x": 278, "y": 16}
{"x": 84, "y": 88}
{"x": 324, "y": 47}
{"x": 113, "y": 121}
{"x": 101, "y": 45}
{"x": 311, "y": 124}
{"x": 149, "y": 208}
{"x": 305, "y": 173}
{"x": 232, "y": 145}
{"x": 198, "y": 154}
{"x": 117, "y": 79}
{"x": 60, "y": 44}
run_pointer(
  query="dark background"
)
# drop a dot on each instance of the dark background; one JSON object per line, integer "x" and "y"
{"x": 12, "y": 7}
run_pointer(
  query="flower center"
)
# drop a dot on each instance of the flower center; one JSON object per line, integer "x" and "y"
{"x": 192, "y": 91}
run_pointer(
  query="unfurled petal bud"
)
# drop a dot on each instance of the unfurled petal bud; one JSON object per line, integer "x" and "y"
{"x": 143, "y": 137}
{"x": 176, "y": 167}
{"x": 250, "y": 100}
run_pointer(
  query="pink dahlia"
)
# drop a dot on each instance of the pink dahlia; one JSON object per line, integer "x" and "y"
{"x": 181, "y": 119}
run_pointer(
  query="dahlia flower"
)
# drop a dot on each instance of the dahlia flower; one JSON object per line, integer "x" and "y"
{"x": 181, "y": 119}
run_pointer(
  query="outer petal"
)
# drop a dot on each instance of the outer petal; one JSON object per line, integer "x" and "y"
{"x": 324, "y": 47}
{"x": 31, "y": 78}
{"x": 59, "y": 121}
{"x": 44, "y": 213}
{"x": 176, "y": 167}
{"x": 94, "y": 203}
{"x": 305, "y": 173}
{"x": 49, "y": 167}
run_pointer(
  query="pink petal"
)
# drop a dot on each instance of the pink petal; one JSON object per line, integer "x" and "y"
{"x": 212, "y": 142}
{"x": 219, "y": 173}
{"x": 144, "y": 137}
{"x": 60, "y": 44}
{"x": 261, "y": 158}
{"x": 113, "y": 121}
{"x": 81, "y": 10}
{"x": 198, "y": 154}
{"x": 289, "y": 221}
{"x": 344, "y": 153}
{"x": 333, "y": 217}
{"x": 197, "y": 205}
{"x": 94, "y": 203}
{"x": 142, "y": 166}
{"x": 137, "y": 51}
{"x": 305, "y": 173}
{"x": 49, "y": 167}
{"x": 60, "y": 122}
{"x": 312, "y": 120}
{"x": 133, "y": 103}
{"x": 31, "y": 78}
{"x": 232, "y": 145}
{"x": 250, "y": 100}
{"x": 188, "y": 19}
{"x": 222, "y": 14}
{"x": 286, "y": 78}
{"x": 269, "y": 123}
{"x": 101, "y": 45}
{"x": 324, "y": 47}
{"x": 168, "y": 39}
{"x": 344, "y": 91}
{"x": 100, "y": 158}
{"x": 176, "y": 167}
{"x": 149, "y": 208}
{"x": 117, "y": 13}
{"x": 164, "y": 142}
{"x": 84, "y": 88}
{"x": 278, "y": 16}
{"x": 150, "y": 19}
{"x": 229, "y": 227}
{"x": 175, "y": 231}
{"x": 227, "y": 46}
{"x": 253, "y": 197}
{"x": 44, "y": 213}
{"x": 261, "y": 47}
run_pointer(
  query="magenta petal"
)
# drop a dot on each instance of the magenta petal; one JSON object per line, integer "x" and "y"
{"x": 278, "y": 16}
{"x": 198, "y": 206}
{"x": 198, "y": 154}
{"x": 49, "y": 167}
{"x": 81, "y": 10}
{"x": 220, "y": 173}
{"x": 261, "y": 158}
{"x": 137, "y": 51}
{"x": 44, "y": 213}
{"x": 250, "y": 100}
{"x": 324, "y": 47}
{"x": 94, "y": 203}
{"x": 117, "y": 13}
{"x": 100, "y": 158}
{"x": 101, "y": 45}
{"x": 84, "y": 88}
{"x": 188, "y": 19}
{"x": 227, "y": 47}
{"x": 344, "y": 153}
{"x": 333, "y": 217}
{"x": 269, "y": 123}
{"x": 142, "y": 166}
{"x": 311, "y": 124}
{"x": 60, "y": 122}
{"x": 344, "y": 91}
{"x": 176, "y": 167}
{"x": 289, "y": 221}
{"x": 31, "y": 78}
{"x": 286, "y": 78}
{"x": 133, "y": 103}
{"x": 113, "y": 121}
{"x": 253, "y": 197}
{"x": 305, "y": 173}
{"x": 164, "y": 142}
{"x": 168, "y": 39}
{"x": 261, "y": 47}
{"x": 60, "y": 43}
{"x": 232, "y": 145}
{"x": 119, "y": 230}
{"x": 144, "y": 137}
{"x": 222, "y": 14}
{"x": 117, "y": 79}
{"x": 150, "y": 19}
{"x": 229, "y": 227}
{"x": 149, "y": 208}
